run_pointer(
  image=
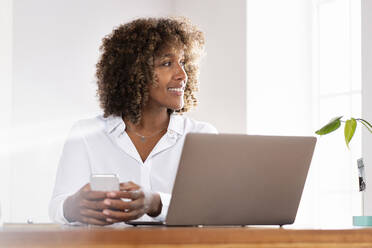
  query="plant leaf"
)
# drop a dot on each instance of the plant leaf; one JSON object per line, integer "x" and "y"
{"x": 330, "y": 127}
{"x": 349, "y": 130}
{"x": 366, "y": 124}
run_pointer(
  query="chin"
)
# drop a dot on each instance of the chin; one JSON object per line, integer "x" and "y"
{"x": 176, "y": 107}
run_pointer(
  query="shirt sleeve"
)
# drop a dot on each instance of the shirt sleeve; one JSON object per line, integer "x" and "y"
{"x": 72, "y": 174}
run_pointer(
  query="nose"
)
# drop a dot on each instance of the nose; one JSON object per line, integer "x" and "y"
{"x": 180, "y": 74}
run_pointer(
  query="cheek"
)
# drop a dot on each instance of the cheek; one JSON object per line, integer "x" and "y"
{"x": 155, "y": 81}
{"x": 156, "y": 91}
{"x": 155, "y": 87}
{"x": 162, "y": 77}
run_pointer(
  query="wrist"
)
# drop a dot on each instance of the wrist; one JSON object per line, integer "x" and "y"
{"x": 156, "y": 205}
{"x": 68, "y": 209}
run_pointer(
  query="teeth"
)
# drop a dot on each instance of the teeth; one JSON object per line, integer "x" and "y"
{"x": 176, "y": 89}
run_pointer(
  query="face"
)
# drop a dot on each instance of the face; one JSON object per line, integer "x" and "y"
{"x": 170, "y": 80}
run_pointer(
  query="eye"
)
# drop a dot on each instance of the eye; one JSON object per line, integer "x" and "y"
{"x": 183, "y": 63}
{"x": 168, "y": 63}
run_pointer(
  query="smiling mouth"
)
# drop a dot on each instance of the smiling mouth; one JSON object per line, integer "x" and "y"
{"x": 181, "y": 89}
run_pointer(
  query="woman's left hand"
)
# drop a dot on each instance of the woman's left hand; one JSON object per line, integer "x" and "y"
{"x": 140, "y": 202}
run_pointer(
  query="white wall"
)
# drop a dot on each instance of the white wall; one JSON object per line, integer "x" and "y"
{"x": 279, "y": 73}
{"x": 223, "y": 71}
{"x": 367, "y": 98}
{"x": 55, "y": 49}
{"x": 5, "y": 100}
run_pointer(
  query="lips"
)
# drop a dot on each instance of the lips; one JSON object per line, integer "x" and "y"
{"x": 178, "y": 91}
{"x": 177, "y": 87}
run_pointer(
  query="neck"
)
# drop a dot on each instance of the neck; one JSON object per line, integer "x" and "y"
{"x": 151, "y": 121}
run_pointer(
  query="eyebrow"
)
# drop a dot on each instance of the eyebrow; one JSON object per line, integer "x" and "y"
{"x": 168, "y": 55}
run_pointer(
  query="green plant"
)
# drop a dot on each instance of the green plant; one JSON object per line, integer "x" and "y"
{"x": 349, "y": 130}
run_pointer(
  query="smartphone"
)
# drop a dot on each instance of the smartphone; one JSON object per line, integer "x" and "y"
{"x": 104, "y": 182}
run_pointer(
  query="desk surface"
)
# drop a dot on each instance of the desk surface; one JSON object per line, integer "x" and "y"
{"x": 59, "y": 236}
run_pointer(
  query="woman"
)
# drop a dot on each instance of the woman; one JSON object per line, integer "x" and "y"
{"x": 147, "y": 75}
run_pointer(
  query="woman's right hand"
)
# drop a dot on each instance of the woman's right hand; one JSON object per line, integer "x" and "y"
{"x": 86, "y": 206}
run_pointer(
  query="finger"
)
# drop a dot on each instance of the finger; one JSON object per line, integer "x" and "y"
{"x": 94, "y": 195}
{"x": 95, "y": 205}
{"x": 137, "y": 204}
{"x": 112, "y": 220}
{"x": 133, "y": 195}
{"x": 129, "y": 186}
{"x": 124, "y": 216}
{"x": 117, "y": 204}
{"x": 136, "y": 194}
{"x": 87, "y": 193}
{"x": 129, "y": 183}
{"x": 118, "y": 194}
{"x": 86, "y": 187}
{"x": 89, "y": 220}
{"x": 89, "y": 213}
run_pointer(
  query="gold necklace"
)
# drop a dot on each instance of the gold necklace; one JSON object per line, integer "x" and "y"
{"x": 143, "y": 137}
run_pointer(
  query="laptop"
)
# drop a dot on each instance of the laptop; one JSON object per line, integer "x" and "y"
{"x": 235, "y": 179}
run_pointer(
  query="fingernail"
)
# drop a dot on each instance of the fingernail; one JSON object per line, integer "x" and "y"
{"x": 107, "y": 202}
{"x": 109, "y": 220}
{"x": 106, "y": 212}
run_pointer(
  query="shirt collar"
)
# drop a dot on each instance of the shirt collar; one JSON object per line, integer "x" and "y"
{"x": 176, "y": 123}
{"x": 113, "y": 123}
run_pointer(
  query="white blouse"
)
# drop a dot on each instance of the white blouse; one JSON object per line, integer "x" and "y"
{"x": 101, "y": 145}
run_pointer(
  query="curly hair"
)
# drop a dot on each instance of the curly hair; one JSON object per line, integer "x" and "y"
{"x": 125, "y": 70}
